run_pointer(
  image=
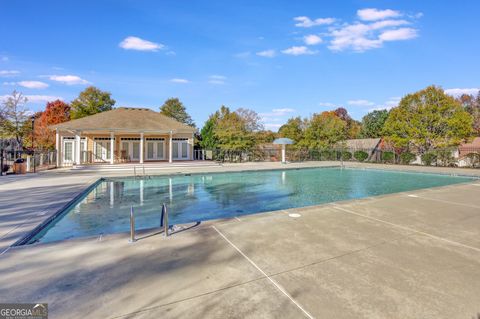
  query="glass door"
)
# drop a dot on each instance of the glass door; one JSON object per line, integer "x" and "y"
{"x": 135, "y": 151}
{"x": 68, "y": 152}
{"x": 150, "y": 150}
{"x": 125, "y": 151}
{"x": 180, "y": 149}
{"x": 175, "y": 149}
{"x": 160, "y": 150}
{"x": 102, "y": 151}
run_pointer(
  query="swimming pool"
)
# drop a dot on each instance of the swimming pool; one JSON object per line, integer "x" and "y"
{"x": 105, "y": 209}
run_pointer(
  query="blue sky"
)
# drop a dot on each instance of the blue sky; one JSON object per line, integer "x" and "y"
{"x": 280, "y": 58}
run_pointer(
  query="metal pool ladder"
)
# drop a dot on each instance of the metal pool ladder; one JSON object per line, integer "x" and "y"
{"x": 132, "y": 225}
{"x": 163, "y": 222}
{"x": 135, "y": 171}
{"x": 164, "y": 219}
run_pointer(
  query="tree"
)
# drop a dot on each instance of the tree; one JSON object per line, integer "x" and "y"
{"x": 294, "y": 129}
{"x": 472, "y": 106}
{"x": 253, "y": 121}
{"x": 208, "y": 138}
{"x": 5, "y": 125}
{"x": 428, "y": 119}
{"x": 352, "y": 128}
{"x": 91, "y": 101}
{"x": 175, "y": 109}
{"x": 373, "y": 122}
{"x": 231, "y": 131}
{"x": 15, "y": 114}
{"x": 55, "y": 112}
{"x": 324, "y": 130}
{"x": 262, "y": 137}
{"x": 26, "y": 131}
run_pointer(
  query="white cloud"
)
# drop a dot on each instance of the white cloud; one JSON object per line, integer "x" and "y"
{"x": 33, "y": 84}
{"x": 278, "y": 112}
{"x": 272, "y": 126}
{"x": 272, "y": 118}
{"x": 389, "y": 104}
{"x": 42, "y": 98}
{"x": 267, "y": 53}
{"x": 68, "y": 79}
{"x": 35, "y": 98}
{"x": 7, "y": 73}
{"x": 298, "y": 50}
{"x": 360, "y": 37}
{"x": 328, "y": 104}
{"x": 217, "y": 79}
{"x": 398, "y": 34}
{"x": 312, "y": 39}
{"x": 373, "y": 14}
{"x": 177, "y": 80}
{"x": 284, "y": 110}
{"x": 387, "y": 23}
{"x": 306, "y": 22}
{"x": 353, "y": 36}
{"x": 135, "y": 43}
{"x": 458, "y": 92}
{"x": 360, "y": 103}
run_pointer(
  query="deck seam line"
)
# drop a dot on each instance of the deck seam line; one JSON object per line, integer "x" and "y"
{"x": 277, "y": 285}
{"x": 189, "y": 298}
{"x": 443, "y": 201}
{"x": 407, "y": 228}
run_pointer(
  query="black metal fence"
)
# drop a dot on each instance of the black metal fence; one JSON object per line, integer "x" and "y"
{"x": 448, "y": 157}
{"x": 16, "y": 161}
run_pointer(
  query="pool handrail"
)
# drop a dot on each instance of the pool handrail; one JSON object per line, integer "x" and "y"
{"x": 132, "y": 225}
{"x": 164, "y": 219}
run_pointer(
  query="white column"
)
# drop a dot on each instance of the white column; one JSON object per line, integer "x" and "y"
{"x": 192, "y": 150}
{"x": 283, "y": 154}
{"x": 112, "y": 148}
{"x": 57, "y": 146}
{"x": 170, "y": 148}
{"x": 77, "y": 148}
{"x": 141, "y": 148}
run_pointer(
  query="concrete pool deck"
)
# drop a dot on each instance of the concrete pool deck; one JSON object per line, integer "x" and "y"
{"x": 404, "y": 255}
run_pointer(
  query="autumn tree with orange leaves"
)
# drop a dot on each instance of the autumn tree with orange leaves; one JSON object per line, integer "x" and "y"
{"x": 55, "y": 112}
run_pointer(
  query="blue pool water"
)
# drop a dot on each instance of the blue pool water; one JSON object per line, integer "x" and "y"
{"x": 106, "y": 208}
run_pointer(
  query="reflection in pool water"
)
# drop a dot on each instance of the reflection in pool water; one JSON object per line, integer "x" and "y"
{"x": 201, "y": 197}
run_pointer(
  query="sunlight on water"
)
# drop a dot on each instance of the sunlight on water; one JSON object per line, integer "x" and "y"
{"x": 106, "y": 209}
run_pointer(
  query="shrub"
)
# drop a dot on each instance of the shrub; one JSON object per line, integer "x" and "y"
{"x": 474, "y": 159}
{"x": 445, "y": 157}
{"x": 429, "y": 158}
{"x": 407, "y": 157}
{"x": 360, "y": 155}
{"x": 327, "y": 155}
{"x": 346, "y": 156}
{"x": 388, "y": 157}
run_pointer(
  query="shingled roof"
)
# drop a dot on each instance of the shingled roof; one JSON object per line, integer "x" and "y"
{"x": 126, "y": 119}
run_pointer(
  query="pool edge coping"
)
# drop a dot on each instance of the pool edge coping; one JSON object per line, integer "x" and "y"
{"x": 31, "y": 233}
{"x": 23, "y": 241}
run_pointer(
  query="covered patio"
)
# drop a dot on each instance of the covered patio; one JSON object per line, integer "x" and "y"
{"x": 123, "y": 135}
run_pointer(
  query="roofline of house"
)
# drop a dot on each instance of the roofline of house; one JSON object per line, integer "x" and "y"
{"x": 123, "y": 130}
